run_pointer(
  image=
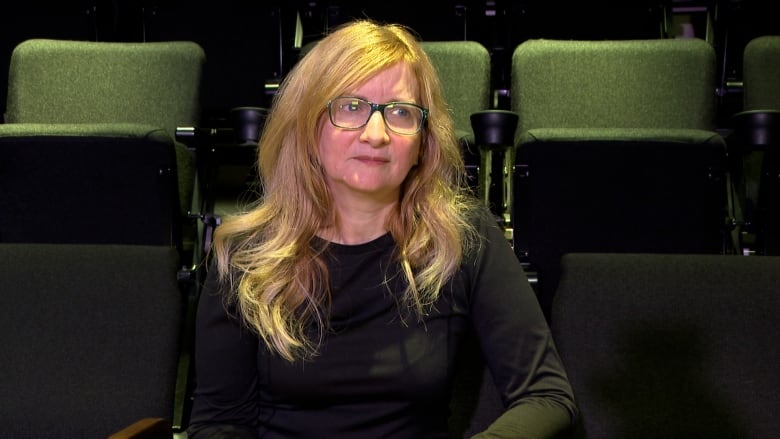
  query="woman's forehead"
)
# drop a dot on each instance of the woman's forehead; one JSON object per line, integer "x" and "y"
{"x": 397, "y": 80}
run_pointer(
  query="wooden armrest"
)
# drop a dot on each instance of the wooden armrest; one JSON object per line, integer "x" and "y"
{"x": 146, "y": 428}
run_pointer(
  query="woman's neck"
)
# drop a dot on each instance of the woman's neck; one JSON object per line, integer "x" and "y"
{"x": 358, "y": 224}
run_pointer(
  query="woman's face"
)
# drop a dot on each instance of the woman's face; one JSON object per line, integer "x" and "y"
{"x": 371, "y": 162}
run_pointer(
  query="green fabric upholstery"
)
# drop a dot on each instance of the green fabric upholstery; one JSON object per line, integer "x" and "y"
{"x": 671, "y": 346}
{"x": 124, "y": 130}
{"x": 71, "y": 82}
{"x": 128, "y": 131}
{"x": 59, "y": 81}
{"x": 464, "y": 71}
{"x": 666, "y": 83}
{"x": 88, "y": 183}
{"x": 758, "y": 165}
{"x": 91, "y": 337}
{"x": 761, "y": 73}
{"x": 678, "y": 135}
{"x": 616, "y": 151}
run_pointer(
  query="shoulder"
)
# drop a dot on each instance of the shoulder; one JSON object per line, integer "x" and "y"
{"x": 484, "y": 226}
{"x": 481, "y": 216}
{"x": 489, "y": 246}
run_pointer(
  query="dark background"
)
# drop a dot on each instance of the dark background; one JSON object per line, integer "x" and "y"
{"x": 251, "y": 44}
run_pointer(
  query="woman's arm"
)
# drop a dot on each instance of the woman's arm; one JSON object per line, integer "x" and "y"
{"x": 517, "y": 344}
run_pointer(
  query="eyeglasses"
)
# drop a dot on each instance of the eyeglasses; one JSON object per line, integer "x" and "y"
{"x": 352, "y": 113}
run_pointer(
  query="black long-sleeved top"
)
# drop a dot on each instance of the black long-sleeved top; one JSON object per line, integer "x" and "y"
{"x": 381, "y": 373}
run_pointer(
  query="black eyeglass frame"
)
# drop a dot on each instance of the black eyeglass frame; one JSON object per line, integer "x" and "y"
{"x": 381, "y": 108}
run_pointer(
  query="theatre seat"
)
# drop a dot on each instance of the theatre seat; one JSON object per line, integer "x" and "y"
{"x": 671, "y": 345}
{"x": 617, "y": 152}
{"x": 88, "y": 184}
{"x": 464, "y": 69}
{"x": 754, "y": 145}
{"x": 91, "y": 337}
{"x": 58, "y": 87}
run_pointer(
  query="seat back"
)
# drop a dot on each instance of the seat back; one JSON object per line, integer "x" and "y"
{"x": 616, "y": 152}
{"x": 464, "y": 68}
{"x": 656, "y": 83}
{"x": 90, "y": 337}
{"x": 464, "y": 71}
{"x": 65, "y": 81}
{"x": 670, "y": 345}
{"x": 88, "y": 183}
{"x": 761, "y": 73}
{"x": 151, "y": 83}
{"x": 757, "y": 143}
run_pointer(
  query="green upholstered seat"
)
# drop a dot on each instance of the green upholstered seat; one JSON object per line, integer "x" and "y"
{"x": 755, "y": 143}
{"x": 76, "y": 82}
{"x": 91, "y": 337}
{"x": 761, "y": 73}
{"x": 666, "y": 83}
{"x": 671, "y": 345}
{"x": 88, "y": 183}
{"x": 464, "y": 69}
{"x": 616, "y": 151}
{"x": 60, "y": 89}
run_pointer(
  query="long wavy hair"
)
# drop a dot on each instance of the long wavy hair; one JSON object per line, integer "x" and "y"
{"x": 277, "y": 279}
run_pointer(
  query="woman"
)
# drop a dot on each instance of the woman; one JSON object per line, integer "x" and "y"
{"x": 337, "y": 306}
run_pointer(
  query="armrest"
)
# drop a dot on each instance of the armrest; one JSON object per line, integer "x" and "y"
{"x": 146, "y": 428}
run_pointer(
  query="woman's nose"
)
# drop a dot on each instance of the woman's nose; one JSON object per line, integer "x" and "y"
{"x": 375, "y": 132}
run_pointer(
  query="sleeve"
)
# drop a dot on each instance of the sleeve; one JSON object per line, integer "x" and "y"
{"x": 224, "y": 404}
{"x": 517, "y": 344}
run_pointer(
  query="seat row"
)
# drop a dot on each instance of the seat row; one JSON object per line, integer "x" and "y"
{"x": 661, "y": 345}
{"x": 88, "y": 146}
{"x": 606, "y": 146}
{"x": 565, "y": 94}
{"x": 612, "y": 146}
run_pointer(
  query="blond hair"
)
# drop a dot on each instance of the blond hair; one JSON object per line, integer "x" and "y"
{"x": 277, "y": 279}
